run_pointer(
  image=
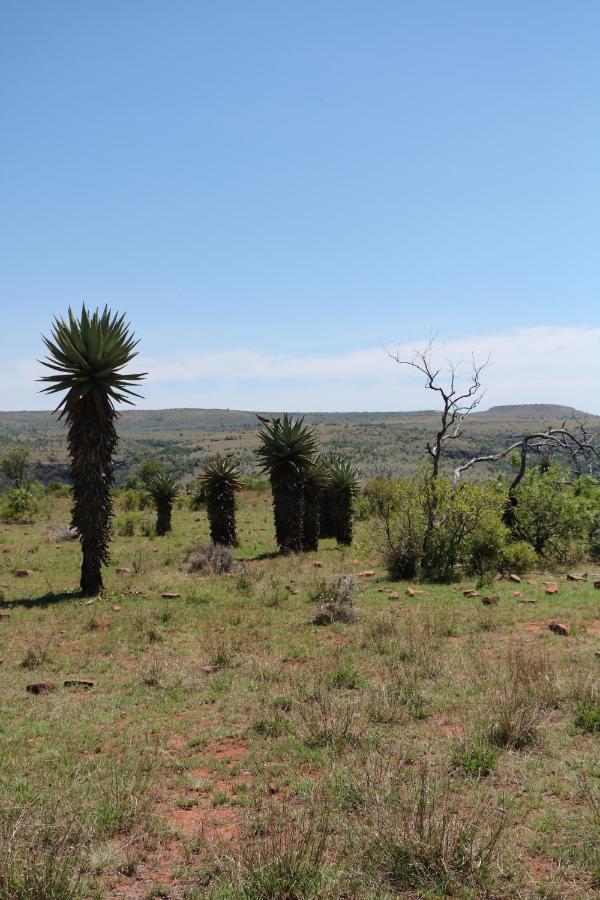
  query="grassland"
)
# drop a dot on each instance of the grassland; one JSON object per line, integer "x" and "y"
{"x": 385, "y": 443}
{"x": 231, "y": 749}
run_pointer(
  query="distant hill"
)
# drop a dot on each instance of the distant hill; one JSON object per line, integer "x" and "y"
{"x": 537, "y": 411}
{"x": 379, "y": 443}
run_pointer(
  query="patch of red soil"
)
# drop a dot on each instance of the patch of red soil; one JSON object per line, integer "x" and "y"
{"x": 338, "y": 640}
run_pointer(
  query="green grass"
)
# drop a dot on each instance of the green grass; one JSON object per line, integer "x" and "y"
{"x": 231, "y": 749}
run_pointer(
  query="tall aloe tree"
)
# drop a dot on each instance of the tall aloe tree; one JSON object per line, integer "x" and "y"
{"x": 164, "y": 490}
{"x": 315, "y": 480}
{"x": 341, "y": 488}
{"x": 220, "y": 479}
{"x": 287, "y": 451}
{"x": 88, "y": 355}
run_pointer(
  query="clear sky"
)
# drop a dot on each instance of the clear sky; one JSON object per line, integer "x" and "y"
{"x": 272, "y": 190}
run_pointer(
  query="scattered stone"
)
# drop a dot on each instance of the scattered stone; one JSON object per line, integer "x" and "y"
{"x": 33, "y": 550}
{"x": 123, "y": 570}
{"x": 22, "y": 573}
{"x": 516, "y": 593}
{"x": 552, "y": 589}
{"x": 498, "y": 576}
{"x": 491, "y": 601}
{"x": 79, "y": 682}
{"x": 366, "y": 573}
{"x": 527, "y": 600}
{"x": 597, "y": 585}
{"x": 317, "y": 564}
{"x": 559, "y": 628}
{"x": 577, "y": 576}
{"x": 393, "y": 595}
{"x": 515, "y": 578}
{"x": 40, "y": 687}
{"x": 471, "y": 593}
{"x": 295, "y": 591}
{"x": 354, "y": 562}
{"x": 170, "y": 595}
{"x": 210, "y": 670}
{"x": 117, "y": 608}
{"x": 8, "y": 549}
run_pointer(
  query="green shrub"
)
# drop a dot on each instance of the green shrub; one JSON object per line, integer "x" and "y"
{"x": 126, "y": 526}
{"x": 19, "y": 503}
{"x": 475, "y": 758}
{"x": 518, "y": 557}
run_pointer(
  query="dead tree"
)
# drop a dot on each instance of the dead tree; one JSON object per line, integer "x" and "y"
{"x": 458, "y": 401}
{"x": 579, "y": 447}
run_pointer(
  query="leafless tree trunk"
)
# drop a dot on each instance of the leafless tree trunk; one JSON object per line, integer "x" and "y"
{"x": 457, "y": 401}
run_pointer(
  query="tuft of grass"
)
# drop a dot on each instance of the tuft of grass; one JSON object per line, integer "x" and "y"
{"x": 474, "y": 758}
{"x": 587, "y": 716}
{"x": 345, "y": 676}
{"x": 422, "y": 840}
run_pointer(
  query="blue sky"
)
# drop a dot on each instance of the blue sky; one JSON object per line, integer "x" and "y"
{"x": 273, "y": 190}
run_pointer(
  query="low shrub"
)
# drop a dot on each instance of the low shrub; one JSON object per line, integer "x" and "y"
{"x": 335, "y": 601}
{"x": 210, "y": 559}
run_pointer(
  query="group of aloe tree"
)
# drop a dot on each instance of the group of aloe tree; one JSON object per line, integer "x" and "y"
{"x": 312, "y": 493}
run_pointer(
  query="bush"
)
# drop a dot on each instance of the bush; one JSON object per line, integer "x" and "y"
{"x": 19, "y": 503}
{"x": 126, "y": 526}
{"x": 518, "y": 557}
{"x": 336, "y": 602}
{"x": 210, "y": 559}
{"x": 548, "y": 514}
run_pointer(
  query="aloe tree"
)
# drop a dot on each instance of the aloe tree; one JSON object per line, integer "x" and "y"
{"x": 88, "y": 355}
{"x": 314, "y": 484}
{"x": 287, "y": 451}
{"x": 341, "y": 488}
{"x": 219, "y": 480}
{"x": 164, "y": 490}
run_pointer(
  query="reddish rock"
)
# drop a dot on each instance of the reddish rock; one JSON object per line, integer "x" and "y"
{"x": 597, "y": 585}
{"x": 366, "y": 573}
{"x": 353, "y": 562}
{"x": 22, "y": 573}
{"x": 117, "y": 608}
{"x": 40, "y": 687}
{"x": 559, "y": 628}
{"x": 577, "y": 576}
{"x": 515, "y": 578}
{"x": 552, "y": 589}
{"x": 491, "y": 601}
{"x": 393, "y": 595}
{"x": 8, "y": 549}
{"x": 123, "y": 570}
{"x": 516, "y": 594}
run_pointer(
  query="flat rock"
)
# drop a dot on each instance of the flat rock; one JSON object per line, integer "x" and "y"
{"x": 123, "y": 570}
{"x": 40, "y": 687}
{"x": 170, "y": 595}
{"x": 4, "y": 616}
{"x": 559, "y": 628}
{"x": 22, "y": 573}
{"x": 552, "y": 589}
{"x": 8, "y": 549}
{"x": 366, "y": 573}
{"x": 412, "y": 592}
{"x": 471, "y": 593}
{"x": 516, "y": 593}
{"x": 116, "y": 607}
{"x": 527, "y": 600}
{"x": 210, "y": 670}
{"x": 491, "y": 601}
{"x": 79, "y": 682}
{"x": 577, "y": 576}
{"x": 515, "y": 578}
{"x": 393, "y": 595}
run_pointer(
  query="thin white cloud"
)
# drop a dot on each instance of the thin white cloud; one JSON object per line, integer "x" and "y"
{"x": 533, "y": 365}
